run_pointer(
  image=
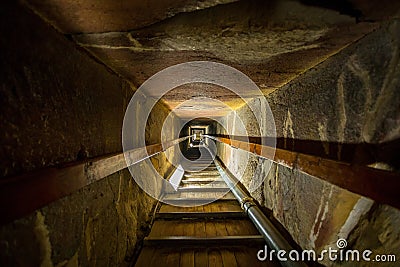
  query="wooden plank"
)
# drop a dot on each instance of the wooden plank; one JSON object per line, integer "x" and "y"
{"x": 166, "y": 228}
{"x": 159, "y": 229}
{"x": 211, "y": 229}
{"x": 187, "y": 258}
{"x": 193, "y": 170}
{"x": 189, "y": 230}
{"x": 203, "y": 174}
{"x": 379, "y": 185}
{"x": 349, "y": 151}
{"x": 220, "y": 230}
{"x": 240, "y": 227}
{"x": 240, "y": 256}
{"x": 173, "y": 200}
{"x": 200, "y": 228}
{"x": 214, "y": 195}
{"x": 214, "y": 258}
{"x": 184, "y": 202}
{"x": 172, "y": 208}
{"x": 219, "y": 241}
{"x": 228, "y": 258}
{"x": 21, "y": 195}
{"x": 159, "y": 258}
{"x": 200, "y": 215}
{"x": 200, "y": 185}
{"x": 145, "y": 256}
{"x": 202, "y": 180}
{"x": 217, "y": 206}
{"x": 200, "y": 208}
{"x": 201, "y": 258}
{"x": 173, "y": 258}
{"x": 203, "y": 189}
{"x": 230, "y": 206}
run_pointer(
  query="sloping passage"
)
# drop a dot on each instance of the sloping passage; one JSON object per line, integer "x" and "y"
{"x": 188, "y": 232}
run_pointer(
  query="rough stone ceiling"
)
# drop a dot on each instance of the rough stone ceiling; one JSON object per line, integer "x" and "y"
{"x": 270, "y": 41}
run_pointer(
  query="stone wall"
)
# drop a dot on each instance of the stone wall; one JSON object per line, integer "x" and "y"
{"x": 99, "y": 225}
{"x": 351, "y": 98}
{"x": 55, "y": 100}
{"x": 59, "y": 105}
{"x": 165, "y": 162}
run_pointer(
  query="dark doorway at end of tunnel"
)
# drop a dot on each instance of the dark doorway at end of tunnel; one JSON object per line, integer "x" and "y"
{"x": 196, "y": 128}
{"x": 196, "y": 133}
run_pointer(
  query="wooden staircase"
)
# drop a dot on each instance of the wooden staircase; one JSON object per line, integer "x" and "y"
{"x": 186, "y": 233}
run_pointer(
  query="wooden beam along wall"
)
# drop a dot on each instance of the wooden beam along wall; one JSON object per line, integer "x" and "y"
{"x": 26, "y": 193}
{"x": 379, "y": 185}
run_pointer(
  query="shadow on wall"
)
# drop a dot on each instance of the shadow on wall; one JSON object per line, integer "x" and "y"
{"x": 356, "y": 153}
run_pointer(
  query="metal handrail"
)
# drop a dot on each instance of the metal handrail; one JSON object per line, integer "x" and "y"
{"x": 271, "y": 235}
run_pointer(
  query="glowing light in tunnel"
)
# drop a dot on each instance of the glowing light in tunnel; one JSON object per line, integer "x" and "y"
{"x": 153, "y": 89}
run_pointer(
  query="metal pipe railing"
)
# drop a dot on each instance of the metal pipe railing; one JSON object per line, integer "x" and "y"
{"x": 272, "y": 236}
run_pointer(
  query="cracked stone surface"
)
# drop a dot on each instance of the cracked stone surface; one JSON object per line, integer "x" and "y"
{"x": 109, "y": 15}
{"x": 59, "y": 106}
{"x": 351, "y": 98}
{"x": 56, "y": 102}
{"x": 271, "y": 42}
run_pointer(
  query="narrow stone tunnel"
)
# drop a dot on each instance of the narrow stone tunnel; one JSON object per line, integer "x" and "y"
{"x": 193, "y": 133}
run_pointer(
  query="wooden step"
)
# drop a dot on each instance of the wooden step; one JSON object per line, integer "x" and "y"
{"x": 198, "y": 196}
{"x": 203, "y": 185}
{"x": 196, "y": 202}
{"x": 200, "y": 215}
{"x": 199, "y": 169}
{"x": 196, "y": 229}
{"x": 204, "y": 188}
{"x": 201, "y": 174}
{"x": 203, "y": 256}
{"x": 216, "y": 206}
{"x": 190, "y": 241}
{"x": 203, "y": 228}
{"x": 202, "y": 180}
